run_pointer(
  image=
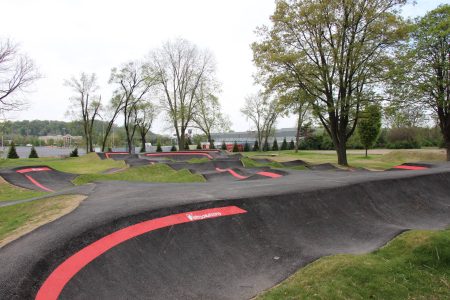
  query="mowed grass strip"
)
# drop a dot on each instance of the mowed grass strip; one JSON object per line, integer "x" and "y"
{"x": 85, "y": 164}
{"x": 151, "y": 173}
{"x": 373, "y": 161}
{"x": 9, "y": 192}
{"x": 19, "y": 219}
{"x": 415, "y": 265}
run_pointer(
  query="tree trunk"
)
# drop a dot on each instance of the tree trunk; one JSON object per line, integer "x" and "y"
{"x": 181, "y": 141}
{"x": 448, "y": 150}
{"x": 297, "y": 135}
{"x": 143, "y": 142}
{"x": 366, "y": 152}
{"x": 87, "y": 143}
{"x": 341, "y": 150}
{"x": 210, "y": 141}
{"x": 105, "y": 138}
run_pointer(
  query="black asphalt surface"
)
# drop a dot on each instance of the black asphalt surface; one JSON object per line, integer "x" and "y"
{"x": 51, "y": 179}
{"x": 290, "y": 221}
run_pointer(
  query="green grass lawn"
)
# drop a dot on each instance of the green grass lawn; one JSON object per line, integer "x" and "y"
{"x": 151, "y": 173}
{"x": 85, "y": 164}
{"x": 10, "y": 192}
{"x": 27, "y": 216}
{"x": 415, "y": 265}
{"x": 374, "y": 161}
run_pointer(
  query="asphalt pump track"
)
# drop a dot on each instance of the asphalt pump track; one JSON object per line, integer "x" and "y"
{"x": 217, "y": 240}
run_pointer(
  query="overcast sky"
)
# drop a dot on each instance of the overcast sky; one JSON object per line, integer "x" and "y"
{"x": 68, "y": 37}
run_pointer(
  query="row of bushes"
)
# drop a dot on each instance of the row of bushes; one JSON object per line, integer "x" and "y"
{"x": 12, "y": 152}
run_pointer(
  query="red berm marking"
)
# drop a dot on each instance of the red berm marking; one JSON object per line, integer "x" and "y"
{"x": 108, "y": 154}
{"x": 179, "y": 153}
{"x": 54, "y": 284}
{"x": 34, "y": 181}
{"x": 231, "y": 172}
{"x": 28, "y": 170}
{"x": 410, "y": 167}
{"x": 270, "y": 174}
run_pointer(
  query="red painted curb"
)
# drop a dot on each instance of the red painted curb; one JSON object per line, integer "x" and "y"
{"x": 270, "y": 174}
{"x": 410, "y": 167}
{"x": 54, "y": 284}
{"x": 179, "y": 153}
{"x": 34, "y": 181}
{"x": 107, "y": 154}
{"x": 27, "y": 170}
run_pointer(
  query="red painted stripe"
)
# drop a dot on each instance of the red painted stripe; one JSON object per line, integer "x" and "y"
{"x": 403, "y": 167}
{"x": 54, "y": 284}
{"x": 270, "y": 174}
{"x": 27, "y": 170}
{"x": 232, "y": 173}
{"x": 179, "y": 153}
{"x": 107, "y": 154}
{"x": 33, "y": 181}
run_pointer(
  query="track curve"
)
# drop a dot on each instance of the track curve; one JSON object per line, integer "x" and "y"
{"x": 288, "y": 223}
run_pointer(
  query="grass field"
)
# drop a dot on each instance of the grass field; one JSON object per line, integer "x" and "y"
{"x": 16, "y": 220}
{"x": 415, "y": 265}
{"x": 382, "y": 161}
{"x": 151, "y": 173}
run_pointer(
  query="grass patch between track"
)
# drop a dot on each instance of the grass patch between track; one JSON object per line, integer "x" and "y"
{"x": 19, "y": 219}
{"x": 415, "y": 265}
{"x": 151, "y": 173}
{"x": 9, "y": 192}
{"x": 85, "y": 164}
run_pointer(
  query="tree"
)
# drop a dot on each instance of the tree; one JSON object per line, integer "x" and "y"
{"x": 266, "y": 146}
{"x": 134, "y": 81}
{"x": 275, "y": 145}
{"x": 369, "y": 126}
{"x": 180, "y": 68}
{"x": 158, "y": 147}
{"x": 256, "y": 146}
{"x": 284, "y": 145}
{"x": 112, "y": 110}
{"x": 292, "y": 145}
{"x": 17, "y": 73}
{"x": 85, "y": 103}
{"x": 235, "y": 147}
{"x": 174, "y": 148}
{"x": 246, "y": 147}
{"x": 199, "y": 146}
{"x": 33, "y": 153}
{"x": 74, "y": 153}
{"x": 263, "y": 113}
{"x": 333, "y": 50}
{"x": 224, "y": 146}
{"x": 429, "y": 66}
{"x": 209, "y": 117}
{"x": 146, "y": 113}
{"x": 12, "y": 153}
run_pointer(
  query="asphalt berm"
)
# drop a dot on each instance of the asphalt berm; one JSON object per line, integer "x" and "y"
{"x": 217, "y": 240}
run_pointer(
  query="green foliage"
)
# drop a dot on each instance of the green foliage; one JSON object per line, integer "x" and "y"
{"x": 369, "y": 126}
{"x": 235, "y": 147}
{"x": 266, "y": 146}
{"x": 224, "y": 146}
{"x": 291, "y": 145}
{"x": 199, "y": 146}
{"x": 74, "y": 153}
{"x": 33, "y": 153}
{"x": 158, "y": 147}
{"x": 275, "y": 145}
{"x": 415, "y": 265}
{"x": 186, "y": 144}
{"x": 174, "y": 148}
{"x": 12, "y": 153}
{"x": 284, "y": 145}
{"x": 255, "y": 146}
{"x": 142, "y": 150}
{"x": 246, "y": 147}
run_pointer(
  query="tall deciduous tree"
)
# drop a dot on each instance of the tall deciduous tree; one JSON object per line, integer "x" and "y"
{"x": 429, "y": 72}
{"x": 86, "y": 104}
{"x": 17, "y": 72}
{"x": 263, "y": 113}
{"x": 335, "y": 51}
{"x": 112, "y": 111}
{"x": 146, "y": 113}
{"x": 208, "y": 116}
{"x": 180, "y": 68}
{"x": 369, "y": 126}
{"x": 134, "y": 82}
